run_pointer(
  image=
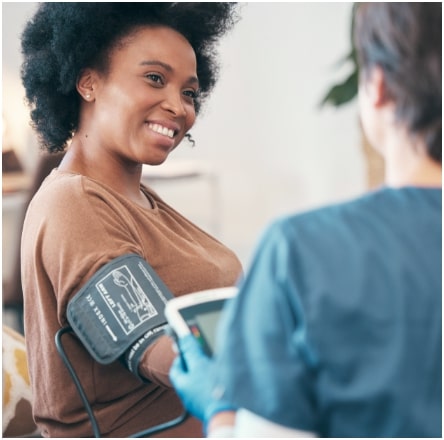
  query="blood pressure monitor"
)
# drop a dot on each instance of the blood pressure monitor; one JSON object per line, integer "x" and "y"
{"x": 198, "y": 314}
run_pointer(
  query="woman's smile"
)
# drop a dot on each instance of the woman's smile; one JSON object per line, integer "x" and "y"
{"x": 161, "y": 130}
{"x": 164, "y": 133}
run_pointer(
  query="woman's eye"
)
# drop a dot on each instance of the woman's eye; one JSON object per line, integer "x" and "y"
{"x": 193, "y": 94}
{"x": 154, "y": 77}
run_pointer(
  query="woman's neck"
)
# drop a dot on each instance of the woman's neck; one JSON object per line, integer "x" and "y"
{"x": 122, "y": 178}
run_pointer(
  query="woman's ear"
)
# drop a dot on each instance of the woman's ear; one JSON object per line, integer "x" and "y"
{"x": 86, "y": 84}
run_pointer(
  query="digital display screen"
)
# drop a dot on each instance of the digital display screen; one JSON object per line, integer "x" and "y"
{"x": 208, "y": 325}
{"x": 203, "y": 325}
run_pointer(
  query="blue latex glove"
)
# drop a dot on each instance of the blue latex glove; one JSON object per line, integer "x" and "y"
{"x": 194, "y": 382}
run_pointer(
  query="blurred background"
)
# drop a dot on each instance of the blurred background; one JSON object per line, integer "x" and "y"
{"x": 264, "y": 147}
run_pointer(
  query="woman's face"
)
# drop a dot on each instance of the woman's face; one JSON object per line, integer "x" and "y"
{"x": 143, "y": 106}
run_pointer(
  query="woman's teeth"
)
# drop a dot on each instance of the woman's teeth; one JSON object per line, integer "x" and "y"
{"x": 162, "y": 130}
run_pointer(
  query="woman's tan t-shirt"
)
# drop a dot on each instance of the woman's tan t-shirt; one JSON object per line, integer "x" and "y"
{"x": 74, "y": 226}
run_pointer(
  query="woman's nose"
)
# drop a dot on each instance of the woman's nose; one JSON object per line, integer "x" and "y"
{"x": 173, "y": 102}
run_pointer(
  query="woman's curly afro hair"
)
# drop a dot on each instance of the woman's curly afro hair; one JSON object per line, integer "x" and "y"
{"x": 63, "y": 38}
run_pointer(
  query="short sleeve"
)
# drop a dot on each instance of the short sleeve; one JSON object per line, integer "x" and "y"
{"x": 70, "y": 232}
{"x": 265, "y": 361}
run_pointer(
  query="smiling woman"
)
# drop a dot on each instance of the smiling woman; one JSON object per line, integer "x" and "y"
{"x": 138, "y": 111}
{"x": 121, "y": 83}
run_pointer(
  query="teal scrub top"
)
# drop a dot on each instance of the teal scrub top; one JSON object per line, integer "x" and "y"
{"x": 337, "y": 326}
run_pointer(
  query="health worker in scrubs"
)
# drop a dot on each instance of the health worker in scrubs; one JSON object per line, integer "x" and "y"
{"x": 336, "y": 330}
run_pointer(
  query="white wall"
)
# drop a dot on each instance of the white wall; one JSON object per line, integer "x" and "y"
{"x": 274, "y": 150}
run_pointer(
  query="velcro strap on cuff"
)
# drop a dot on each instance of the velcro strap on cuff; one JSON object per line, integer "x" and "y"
{"x": 132, "y": 356}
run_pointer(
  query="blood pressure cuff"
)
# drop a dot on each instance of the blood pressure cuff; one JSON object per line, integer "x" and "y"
{"x": 120, "y": 311}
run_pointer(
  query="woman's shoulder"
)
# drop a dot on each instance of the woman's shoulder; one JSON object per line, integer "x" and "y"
{"x": 73, "y": 199}
{"x": 57, "y": 190}
{"x": 69, "y": 191}
{"x": 76, "y": 209}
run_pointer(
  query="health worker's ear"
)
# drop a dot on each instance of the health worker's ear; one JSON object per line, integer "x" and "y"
{"x": 375, "y": 87}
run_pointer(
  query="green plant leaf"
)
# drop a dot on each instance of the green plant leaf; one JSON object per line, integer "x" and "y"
{"x": 346, "y": 91}
{"x": 342, "y": 93}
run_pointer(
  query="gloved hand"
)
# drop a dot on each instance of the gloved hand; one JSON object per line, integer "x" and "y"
{"x": 194, "y": 382}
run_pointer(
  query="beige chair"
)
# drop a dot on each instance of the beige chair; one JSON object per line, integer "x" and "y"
{"x": 17, "y": 418}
